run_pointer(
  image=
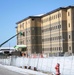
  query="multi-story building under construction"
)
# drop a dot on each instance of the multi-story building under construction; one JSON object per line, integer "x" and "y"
{"x": 50, "y": 33}
{"x": 31, "y": 27}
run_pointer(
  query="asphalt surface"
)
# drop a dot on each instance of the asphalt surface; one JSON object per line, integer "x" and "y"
{"x": 4, "y": 71}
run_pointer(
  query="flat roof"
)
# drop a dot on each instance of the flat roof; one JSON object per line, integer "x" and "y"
{"x": 60, "y": 8}
{"x": 27, "y": 18}
{"x": 45, "y": 14}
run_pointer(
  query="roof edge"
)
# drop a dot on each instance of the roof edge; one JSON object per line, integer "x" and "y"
{"x": 45, "y": 14}
{"x": 28, "y": 18}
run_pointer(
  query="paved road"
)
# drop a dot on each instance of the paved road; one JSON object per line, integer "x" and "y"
{"x": 4, "y": 71}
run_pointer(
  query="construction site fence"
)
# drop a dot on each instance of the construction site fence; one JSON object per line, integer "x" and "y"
{"x": 42, "y": 64}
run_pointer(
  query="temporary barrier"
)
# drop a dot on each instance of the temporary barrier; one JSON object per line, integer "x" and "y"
{"x": 66, "y": 64}
{"x": 41, "y": 55}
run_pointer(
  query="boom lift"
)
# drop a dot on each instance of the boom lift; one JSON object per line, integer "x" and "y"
{"x": 11, "y": 38}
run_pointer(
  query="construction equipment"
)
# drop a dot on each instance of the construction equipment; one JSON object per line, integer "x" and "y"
{"x": 11, "y": 38}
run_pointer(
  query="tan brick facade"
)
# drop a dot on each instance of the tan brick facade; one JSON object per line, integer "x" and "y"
{"x": 51, "y": 33}
{"x": 31, "y": 27}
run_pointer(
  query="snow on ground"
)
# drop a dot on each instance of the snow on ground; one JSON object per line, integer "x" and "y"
{"x": 22, "y": 71}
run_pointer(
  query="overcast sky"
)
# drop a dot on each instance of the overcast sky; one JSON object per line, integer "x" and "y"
{"x": 12, "y": 11}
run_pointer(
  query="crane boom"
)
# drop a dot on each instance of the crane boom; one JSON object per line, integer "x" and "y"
{"x": 10, "y": 39}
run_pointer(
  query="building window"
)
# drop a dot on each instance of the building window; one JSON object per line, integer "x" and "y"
{"x": 60, "y": 48}
{"x": 56, "y": 27}
{"x": 68, "y": 13}
{"x": 32, "y": 28}
{"x": 26, "y": 22}
{"x": 46, "y": 19}
{"x": 69, "y": 48}
{"x": 32, "y": 19}
{"x": 59, "y": 14}
{"x": 69, "y": 24}
{"x": 49, "y": 18}
{"x": 57, "y": 48}
{"x": 42, "y": 40}
{"x": 23, "y": 33}
{"x": 42, "y": 21}
{"x": 52, "y": 17}
{"x": 59, "y": 26}
{"x": 33, "y": 47}
{"x": 20, "y": 26}
{"x": 69, "y": 36}
{"x": 33, "y": 37}
{"x": 56, "y": 16}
